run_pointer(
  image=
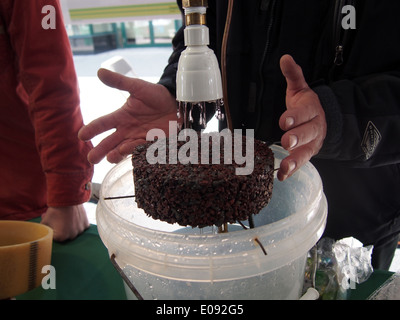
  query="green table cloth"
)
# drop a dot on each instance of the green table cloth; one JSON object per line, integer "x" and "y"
{"x": 83, "y": 271}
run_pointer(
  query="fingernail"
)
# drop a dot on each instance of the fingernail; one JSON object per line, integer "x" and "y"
{"x": 291, "y": 166}
{"x": 293, "y": 140}
{"x": 289, "y": 122}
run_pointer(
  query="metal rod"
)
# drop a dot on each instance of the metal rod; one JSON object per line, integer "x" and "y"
{"x": 125, "y": 278}
{"x": 223, "y": 228}
{"x": 261, "y": 245}
{"x": 243, "y": 226}
{"x": 251, "y": 222}
{"x": 119, "y": 197}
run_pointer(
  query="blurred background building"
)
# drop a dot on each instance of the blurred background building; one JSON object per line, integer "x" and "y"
{"x": 102, "y": 25}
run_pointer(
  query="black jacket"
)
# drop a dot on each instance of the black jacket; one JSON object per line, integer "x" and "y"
{"x": 360, "y": 93}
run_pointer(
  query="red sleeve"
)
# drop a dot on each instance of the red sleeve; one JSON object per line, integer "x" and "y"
{"x": 49, "y": 84}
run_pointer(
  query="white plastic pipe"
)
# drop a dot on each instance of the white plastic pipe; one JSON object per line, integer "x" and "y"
{"x": 311, "y": 294}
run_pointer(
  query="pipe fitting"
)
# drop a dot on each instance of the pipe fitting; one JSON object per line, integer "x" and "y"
{"x": 195, "y": 12}
{"x": 194, "y": 3}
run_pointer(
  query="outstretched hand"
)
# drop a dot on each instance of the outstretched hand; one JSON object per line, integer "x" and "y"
{"x": 149, "y": 106}
{"x": 304, "y": 120}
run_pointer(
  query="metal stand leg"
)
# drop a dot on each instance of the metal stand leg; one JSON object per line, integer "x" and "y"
{"x": 125, "y": 278}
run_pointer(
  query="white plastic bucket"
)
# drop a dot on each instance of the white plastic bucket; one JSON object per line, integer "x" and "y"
{"x": 165, "y": 261}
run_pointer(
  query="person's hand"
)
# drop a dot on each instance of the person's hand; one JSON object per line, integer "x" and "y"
{"x": 67, "y": 222}
{"x": 149, "y": 106}
{"x": 304, "y": 120}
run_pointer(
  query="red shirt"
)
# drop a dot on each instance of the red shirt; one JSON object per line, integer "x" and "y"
{"x": 42, "y": 161}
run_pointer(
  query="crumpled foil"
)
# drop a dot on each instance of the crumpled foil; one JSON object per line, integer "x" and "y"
{"x": 353, "y": 262}
{"x": 336, "y": 266}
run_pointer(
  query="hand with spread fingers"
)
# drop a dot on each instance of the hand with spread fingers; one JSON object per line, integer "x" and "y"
{"x": 304, "y": 120}
{"x": 149, "y": 106}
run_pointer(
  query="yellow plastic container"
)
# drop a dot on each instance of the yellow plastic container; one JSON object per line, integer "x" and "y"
{"x": 25, "y": 247}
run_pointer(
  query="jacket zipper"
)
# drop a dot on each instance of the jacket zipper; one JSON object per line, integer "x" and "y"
{"x": 338, "y": 61}
{"x": 337, "y": 33}
{"x": 272, "y": 5}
